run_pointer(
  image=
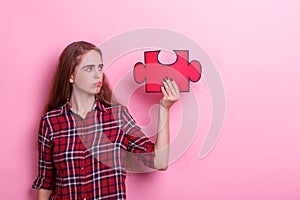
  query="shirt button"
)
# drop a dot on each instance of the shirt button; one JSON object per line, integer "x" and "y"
{"x": 82, "y": 168}
{"x": 84, "y": 199}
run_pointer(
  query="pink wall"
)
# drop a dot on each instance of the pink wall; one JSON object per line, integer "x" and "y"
{"x": 255, "y": 47}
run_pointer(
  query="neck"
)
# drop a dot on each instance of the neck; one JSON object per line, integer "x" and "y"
{"x": 82, "y": 104}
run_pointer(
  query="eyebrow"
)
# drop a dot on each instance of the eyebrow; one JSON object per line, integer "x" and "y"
{"x": 87, "y": 66}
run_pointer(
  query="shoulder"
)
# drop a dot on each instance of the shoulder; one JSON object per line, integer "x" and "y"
{"x": 119, "y": 108}
{"x": 46, "y": 123}
{"x": 53, "y": 113}
{"x": 52, "y": 120}
{"x": 55, "y": 116}
{"x": 119, "y": 112}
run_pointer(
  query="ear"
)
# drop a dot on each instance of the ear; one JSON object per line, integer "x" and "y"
{"x": 71, "y": 80}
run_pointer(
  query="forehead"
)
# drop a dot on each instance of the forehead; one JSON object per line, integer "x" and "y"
{"x": 91, "y": 57}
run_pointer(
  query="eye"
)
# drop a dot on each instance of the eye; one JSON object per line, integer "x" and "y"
{"x": 89, "y": 69}
{"x": 100, "y": 67}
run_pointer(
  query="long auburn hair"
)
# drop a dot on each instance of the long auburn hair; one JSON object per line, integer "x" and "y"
{"x": 61, "y": 87}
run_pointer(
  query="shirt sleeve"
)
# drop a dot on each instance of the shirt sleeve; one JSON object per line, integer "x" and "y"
{"x": 138, "y": 143}
{"x": 46, "y": 170}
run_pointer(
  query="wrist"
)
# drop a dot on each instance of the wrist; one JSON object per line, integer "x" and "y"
{"x": 164, "y": 106}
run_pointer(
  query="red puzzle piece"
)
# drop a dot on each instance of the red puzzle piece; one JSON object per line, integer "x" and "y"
{"x": 153, "y": 72}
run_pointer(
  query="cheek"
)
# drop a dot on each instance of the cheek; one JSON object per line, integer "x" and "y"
{"x": 81, "y": 78}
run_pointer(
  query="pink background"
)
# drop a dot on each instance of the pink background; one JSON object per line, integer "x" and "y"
{"x": 255, "y": 46}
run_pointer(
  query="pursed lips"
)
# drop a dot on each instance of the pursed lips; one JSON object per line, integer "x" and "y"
{"x": 98, "y": 84}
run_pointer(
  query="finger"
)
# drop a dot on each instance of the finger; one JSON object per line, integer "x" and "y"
{"x": 167, "y": 88}
{"x": 175, "y": 86}
{"x": 170, "y": 87}
{"x": 164, "y": 91}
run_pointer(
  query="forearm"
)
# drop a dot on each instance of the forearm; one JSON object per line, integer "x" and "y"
{"x": 163, "y": 140}
{"x": 44, "y": 194}
{"x": 162, "y": 145}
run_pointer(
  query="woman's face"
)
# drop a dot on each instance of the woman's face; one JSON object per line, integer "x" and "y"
{"x": 88, "y": 75}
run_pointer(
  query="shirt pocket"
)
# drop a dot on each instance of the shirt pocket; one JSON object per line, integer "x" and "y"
{"x": 67, "y": 148}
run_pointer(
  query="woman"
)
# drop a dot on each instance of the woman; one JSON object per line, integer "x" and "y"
{"x": 84, "y": 134}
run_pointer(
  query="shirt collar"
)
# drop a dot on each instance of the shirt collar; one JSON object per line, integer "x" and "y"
{"x": 97, "y": 105}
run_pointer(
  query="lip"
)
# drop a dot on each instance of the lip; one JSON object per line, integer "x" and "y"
{"x": 99, "y": 84}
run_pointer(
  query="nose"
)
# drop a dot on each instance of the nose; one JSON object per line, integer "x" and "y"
{"x": 97, "y": 74}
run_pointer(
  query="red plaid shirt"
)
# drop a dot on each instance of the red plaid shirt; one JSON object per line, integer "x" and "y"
{"x": 85, "y": 158}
